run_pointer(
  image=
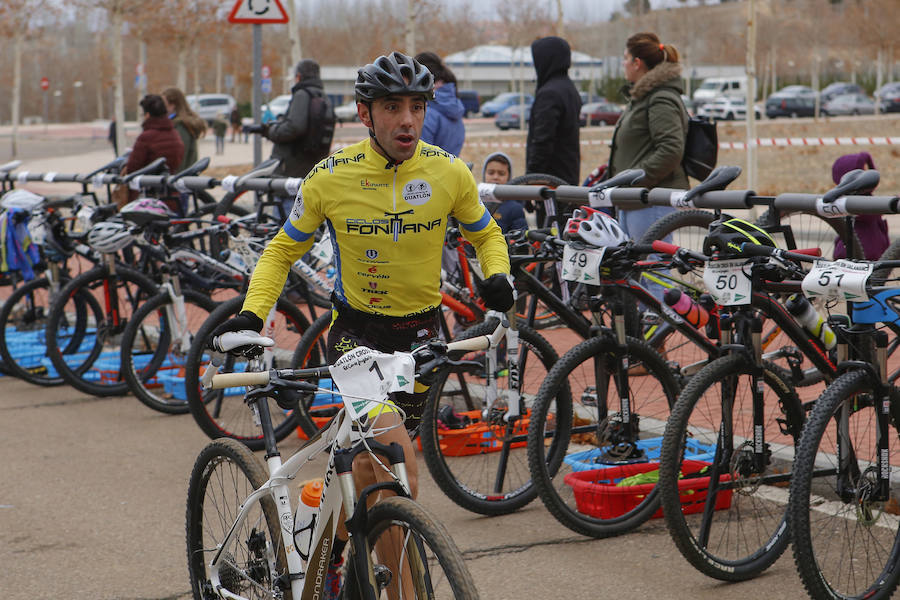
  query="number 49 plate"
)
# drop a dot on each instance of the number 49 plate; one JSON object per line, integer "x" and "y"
{"x": 727, "y": 282}
{"x": 582, "y": 265}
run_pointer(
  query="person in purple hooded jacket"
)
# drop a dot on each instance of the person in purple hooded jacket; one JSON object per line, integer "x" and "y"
{"x": 872, "y": 230}
{"x": 444, "y": 125}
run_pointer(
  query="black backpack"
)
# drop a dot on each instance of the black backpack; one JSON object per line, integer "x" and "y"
{"x": 320, "y": 126}
{"x": 701, "y": 148}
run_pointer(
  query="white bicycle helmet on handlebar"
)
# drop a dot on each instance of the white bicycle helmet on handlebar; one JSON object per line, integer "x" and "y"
{"x": 594, "y": 227}
{"x": 109, "y": 236}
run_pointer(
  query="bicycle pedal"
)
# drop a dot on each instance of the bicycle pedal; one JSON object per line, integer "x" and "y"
{"x": 383, "y": 576}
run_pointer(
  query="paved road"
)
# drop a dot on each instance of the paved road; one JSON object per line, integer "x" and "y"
{"x": 93, "y": 497}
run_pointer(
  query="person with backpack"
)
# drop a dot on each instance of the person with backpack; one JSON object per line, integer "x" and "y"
{"x": 651, "y": 132}
{"x": 302, "y": 135}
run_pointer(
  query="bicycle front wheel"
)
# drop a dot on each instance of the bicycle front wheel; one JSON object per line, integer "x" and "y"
{"x": 482, "y": 463}
{"x": 224, "y": 475}
{"x": 723, "y": 497}
{"x": 579, "y": 447}
{"x": 412, "y": 554}
{"x": 845, "y": 530}
{"x": 155, "y": 348}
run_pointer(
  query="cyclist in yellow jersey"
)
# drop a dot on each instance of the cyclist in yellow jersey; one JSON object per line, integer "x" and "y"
{"x": 386, "y": 201}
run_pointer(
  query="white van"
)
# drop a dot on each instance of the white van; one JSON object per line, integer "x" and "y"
{"x": 714, "y": 87}
{"x": 210, "y": 106}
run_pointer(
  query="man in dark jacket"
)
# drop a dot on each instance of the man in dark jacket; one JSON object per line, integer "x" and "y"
{"x": 553, "y": 130}
{"x": 290, "y": 131}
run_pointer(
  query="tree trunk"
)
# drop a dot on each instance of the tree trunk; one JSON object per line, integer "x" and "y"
{"x": 118, "y": 93}
{"x": 296, "y": 52}
{"x": 17, "y": 90}
{"x": 182, "y": 67}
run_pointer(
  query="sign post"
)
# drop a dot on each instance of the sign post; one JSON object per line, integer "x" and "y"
{"x": 257, "y": 13}
{"x": 45, "y": 85}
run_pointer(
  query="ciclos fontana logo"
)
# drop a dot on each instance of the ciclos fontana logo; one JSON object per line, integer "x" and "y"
{"x": 365, "y": 184}
{"x": 393, "y": 225}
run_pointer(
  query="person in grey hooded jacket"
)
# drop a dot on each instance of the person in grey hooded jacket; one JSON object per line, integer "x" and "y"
{"x": 443, "y": 125}
{"x": 553, "y": 128}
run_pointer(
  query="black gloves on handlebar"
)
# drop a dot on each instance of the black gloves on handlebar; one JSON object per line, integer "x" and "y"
{"x": 244, "y": 320}
{"x": 497, "y": 292}
{"x": 260, "y": 128}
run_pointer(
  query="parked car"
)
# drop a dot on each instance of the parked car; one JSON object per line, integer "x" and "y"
{"x": 714, "y": 87}
{"x": 600, "y": 113}
{"x": 209, "y": 106}
{"x": 346, "y": 112}
{"x": 838, "y": 88}
{"x": 889, "y": 96}
{"x": 509, "y": 116}
{"x": 471, "y": 101}
{"x": 849, "y": 104}
{"x": 277, "y": 106}
{"x": 502, "y": 101}
{"x": 590, "y": 98}
{"x": 728, "y": 109}
{"x": 792, "y": 101}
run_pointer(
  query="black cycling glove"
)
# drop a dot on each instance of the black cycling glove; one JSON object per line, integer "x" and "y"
{"x": 497, "y": 292}
{"x": 260, "y": 128}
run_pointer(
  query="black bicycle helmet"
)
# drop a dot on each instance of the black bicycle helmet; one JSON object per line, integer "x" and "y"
{"x": 727, "y": 234}
{"x": 395, "y": 74}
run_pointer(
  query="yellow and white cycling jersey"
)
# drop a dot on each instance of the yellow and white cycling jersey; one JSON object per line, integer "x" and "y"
{"x": 387, "y": 226}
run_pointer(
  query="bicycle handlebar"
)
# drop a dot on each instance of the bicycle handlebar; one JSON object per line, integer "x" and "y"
{"x": 717, "y": 199}
{"x": 840, "y": 207}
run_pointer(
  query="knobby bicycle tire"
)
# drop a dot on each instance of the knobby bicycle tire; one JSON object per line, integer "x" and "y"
{"x": 576, "y": 446}
{"x": 23, "y": 346}
{"x": 149, "y": 324}
{"x": 224, "y": 475}
{"x": 750, "y": 501}
{"x": 439, "y": 561}
{"x": 219, "y": 414}
{"x": 79, "y": 370}
{"x": 845, "y": 543}
{"x": 484, "y": 467}
{"x": 311, "y": 352}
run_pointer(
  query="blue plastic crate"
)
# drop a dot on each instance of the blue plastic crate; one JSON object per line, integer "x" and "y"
{"x": 590, "y": 459}
{"x": 324, "y": 398}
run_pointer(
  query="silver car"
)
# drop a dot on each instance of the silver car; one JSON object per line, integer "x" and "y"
{"x": 849, "y": 104}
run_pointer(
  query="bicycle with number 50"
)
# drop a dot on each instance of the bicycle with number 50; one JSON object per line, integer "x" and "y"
{"x": 242, "y": 535}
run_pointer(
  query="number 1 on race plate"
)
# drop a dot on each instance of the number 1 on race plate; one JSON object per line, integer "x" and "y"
{"x": 365, "y": 377}
{"x": 582, "y": 265}
{"x": 838, "y": 280}
{"x": 727, "y": 282}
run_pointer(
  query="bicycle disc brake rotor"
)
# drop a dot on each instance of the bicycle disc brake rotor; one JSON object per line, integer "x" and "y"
{"x": 868, "y": 511}
{"x": 745, "y": 476}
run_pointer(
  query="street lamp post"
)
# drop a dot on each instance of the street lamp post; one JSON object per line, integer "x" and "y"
{"x": 77, "y": 85}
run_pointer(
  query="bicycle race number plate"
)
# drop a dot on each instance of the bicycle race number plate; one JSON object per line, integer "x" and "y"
{"x": 365, "y": 377}
{"x": 727, "y": 281}
{"x": 838, "y": 280}
{"x": 582, "y": 265}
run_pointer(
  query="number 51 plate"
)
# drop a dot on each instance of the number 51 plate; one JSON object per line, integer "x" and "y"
{"x": 582, "y": 265}
{"x": 727, "y": 282}
{"x": 840, "y": 280}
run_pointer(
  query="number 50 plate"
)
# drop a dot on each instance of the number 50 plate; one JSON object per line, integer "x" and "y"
{"x": 582, "y": 265}
{"x": 727, "y": 282}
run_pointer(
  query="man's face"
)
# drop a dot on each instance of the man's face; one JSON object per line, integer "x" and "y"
{"x": 496, "y": 172}
{"x": 397, "y": 123}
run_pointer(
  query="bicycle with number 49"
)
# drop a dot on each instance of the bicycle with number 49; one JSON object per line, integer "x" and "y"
{"x": 242, "y": 536}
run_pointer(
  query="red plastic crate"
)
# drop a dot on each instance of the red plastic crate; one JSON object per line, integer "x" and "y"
{"x": 597, "y": 495}
{"x": 477, "y": 438}
{"x": 319, "y": 422}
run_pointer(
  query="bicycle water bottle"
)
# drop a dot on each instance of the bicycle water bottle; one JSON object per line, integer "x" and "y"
{"x": 812, "y": 321}
{"x": 306, "y": 517}
{"x": 681, "y": 303}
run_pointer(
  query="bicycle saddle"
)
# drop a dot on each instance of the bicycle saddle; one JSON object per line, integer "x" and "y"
{"x": 157, "y": 167}
{"x": 627, "y": 178}
{"x": 717, "y": 180}
{"x": 856, "y": 181}
{"x": 5, "y": 168}
{"x": 263, "y": 169}
{"x": 195, "y": 169}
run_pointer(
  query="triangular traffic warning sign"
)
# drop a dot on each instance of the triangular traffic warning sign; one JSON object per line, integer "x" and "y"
{"x": 258, "y": 12}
